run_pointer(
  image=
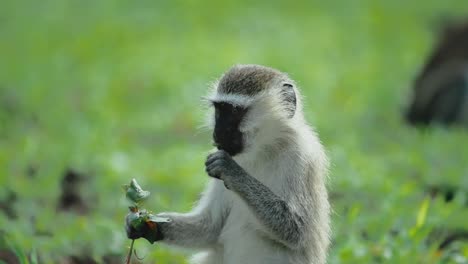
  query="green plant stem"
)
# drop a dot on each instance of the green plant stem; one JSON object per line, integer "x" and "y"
{"x": 129, "y": 255}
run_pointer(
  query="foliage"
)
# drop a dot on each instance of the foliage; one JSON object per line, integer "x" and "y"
{"x": 111, "y": 89}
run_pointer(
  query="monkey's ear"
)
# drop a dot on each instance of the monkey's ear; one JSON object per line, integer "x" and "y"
{"x": 289, "y": 98}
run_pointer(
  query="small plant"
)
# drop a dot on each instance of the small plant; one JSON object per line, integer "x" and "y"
{"x": 138, "y": 216}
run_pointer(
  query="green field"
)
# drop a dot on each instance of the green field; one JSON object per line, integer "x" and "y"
{"x": 111, "y": 90}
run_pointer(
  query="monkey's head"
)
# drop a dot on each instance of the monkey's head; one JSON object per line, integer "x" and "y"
{"x": 252, "y": 103}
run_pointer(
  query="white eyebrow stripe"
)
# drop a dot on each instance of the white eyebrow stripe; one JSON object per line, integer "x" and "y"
{"x": 235, "y": 99}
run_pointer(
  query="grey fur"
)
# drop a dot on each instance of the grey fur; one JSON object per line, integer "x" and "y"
{"x": 289, "y": 98}
{"x": 272, "y": 211}
{"x": 248, "y": 79}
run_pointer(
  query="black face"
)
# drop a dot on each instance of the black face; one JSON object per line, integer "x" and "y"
{"x": 226, "y": 134}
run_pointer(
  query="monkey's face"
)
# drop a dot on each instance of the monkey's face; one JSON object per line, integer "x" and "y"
{"x": 226, "y": 133}
{"x": 254, "y": 106}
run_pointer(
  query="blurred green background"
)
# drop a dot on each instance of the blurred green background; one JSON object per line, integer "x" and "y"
{"x": 111, "y": 90}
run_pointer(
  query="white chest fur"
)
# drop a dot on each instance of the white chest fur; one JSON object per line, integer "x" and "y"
{"x": 241, "y": 239}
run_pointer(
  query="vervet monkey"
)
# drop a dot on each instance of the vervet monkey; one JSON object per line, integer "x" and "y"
{"x": 440, "y": 93}
{"x": 266, "y": 202}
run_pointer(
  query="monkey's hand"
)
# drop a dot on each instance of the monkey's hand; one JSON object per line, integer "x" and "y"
{"x": 146, "y": 229}
{"x": 220, "y": 165}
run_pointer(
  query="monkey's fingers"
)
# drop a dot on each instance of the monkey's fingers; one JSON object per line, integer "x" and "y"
{"x": 214, "y": 170}
{"x": 220, "y": 154}
{"x": 209, "y": 160}
{"x": 212, "y": 158}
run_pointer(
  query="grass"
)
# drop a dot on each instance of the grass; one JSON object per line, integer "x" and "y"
{"x": 111, "y": 89}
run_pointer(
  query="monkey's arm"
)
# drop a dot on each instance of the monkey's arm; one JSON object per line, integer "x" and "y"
{"x": 275, "y": 213}
{"x": 201, "y": 227}
{"x": 282, "y": 220}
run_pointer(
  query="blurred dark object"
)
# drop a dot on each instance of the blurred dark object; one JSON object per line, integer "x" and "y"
{"x": 112, "y": 259}
{"x": 7, "y": 205}
{"x": 78, "y": 260}
{"x": 445, "y": 237}
{"x": 445, "y": 191}
{"x": 8, "y": 256}
{"x": 85, "y": 259}
{"x": 71, "y": 198}
{"x": 440, "y": 92}
{"x": 454, "y": 236}
{"x": 31, "y": 171}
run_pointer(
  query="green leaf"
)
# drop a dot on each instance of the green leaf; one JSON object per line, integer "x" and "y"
{"x": 422, "y": 213}
{"x": 136, "y": 219}
{"x": 135, "y": 193}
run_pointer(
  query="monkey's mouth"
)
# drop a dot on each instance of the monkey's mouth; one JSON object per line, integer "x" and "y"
{"x": 231, "y": 148}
